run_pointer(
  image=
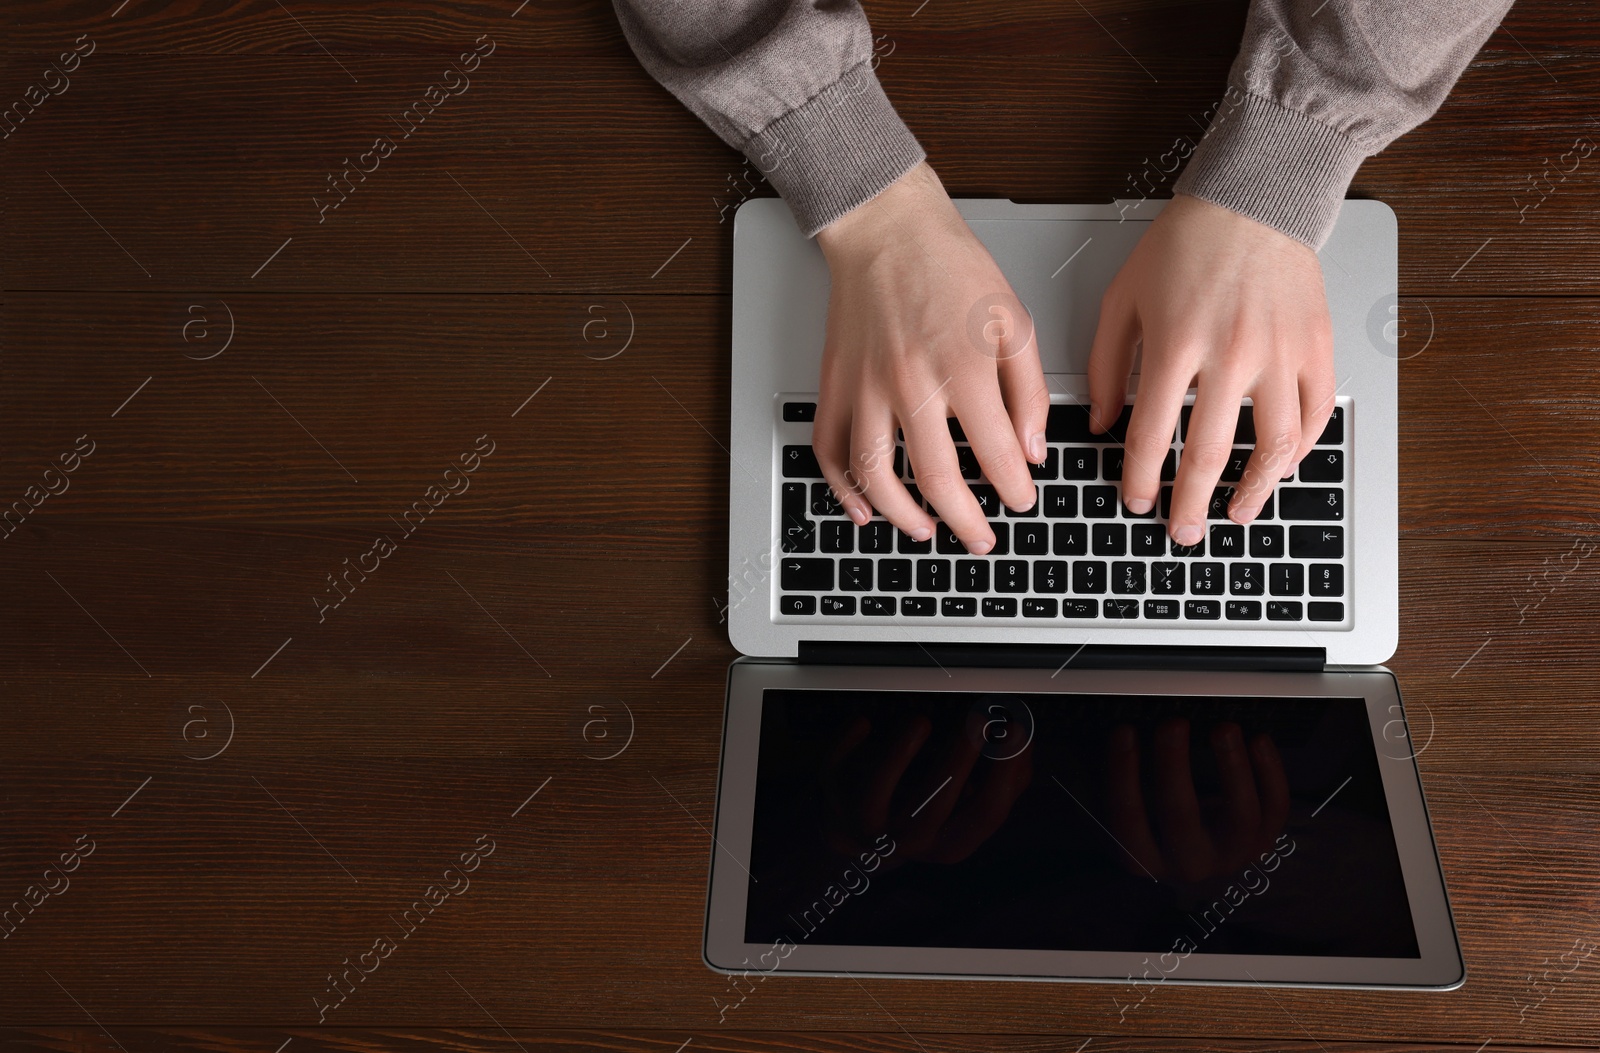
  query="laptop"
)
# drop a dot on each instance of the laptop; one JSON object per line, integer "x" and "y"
{"x": 1081, "y": 756}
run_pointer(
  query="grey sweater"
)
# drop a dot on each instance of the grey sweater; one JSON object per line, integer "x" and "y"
{"x": 1318, "y": 86}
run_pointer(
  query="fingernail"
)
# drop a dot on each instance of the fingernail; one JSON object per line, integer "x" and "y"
{"x": 921, "y": 534}
{"x": 979, "y": 548}
{"x": 1188, "y": 534}
{"x": 858, "y": 515}
{"x": 1036, "y": 448}
{"x": 1140, "y": 505}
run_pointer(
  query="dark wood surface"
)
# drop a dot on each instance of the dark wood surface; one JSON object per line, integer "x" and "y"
{"x": 169, "y": 591}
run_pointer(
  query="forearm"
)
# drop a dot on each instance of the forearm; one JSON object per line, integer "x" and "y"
{"x": 1319, "y": 87}
{"x": 787, "y": 82}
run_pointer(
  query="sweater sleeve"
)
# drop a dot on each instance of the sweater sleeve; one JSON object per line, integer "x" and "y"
{"x": 1318, "y": 87}
{"x": 790, "y": 84}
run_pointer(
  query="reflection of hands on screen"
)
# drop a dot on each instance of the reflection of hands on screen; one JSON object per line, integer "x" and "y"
{"x": 942, "y": 813}
{"x": 1194, "y": 838}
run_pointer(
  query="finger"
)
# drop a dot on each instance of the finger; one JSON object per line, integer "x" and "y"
{"x": 1206, "y": 448}
{"x": 1111, "y": 358}
{"x": 1130, "y": 823}
{"x": 999, "y": 785}
{"x": 1276, "y": 406}
{"x": 853, "y": 736}
{"x": 875, "y": 803}
{"x": 1241, "y": 806}
{"x": 933, "y": 453}
{"x": 1183, "y": 830}
{"x": 1150, "y": 432}
{"x": 994, "y": 442}
{"x": 1317, "y": 394}
{"x": 1273, "y": 783}
{"x": 830, "y": 441}
{"x": 872, "y": 439}
{"x": 1023, "y": 388}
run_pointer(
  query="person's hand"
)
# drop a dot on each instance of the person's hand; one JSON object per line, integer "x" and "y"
{"x": 921, "y": 326}
{"x": 945, "y": 815}
{"x": 1191, "y": 839}
{"x": 1236, "y": 308}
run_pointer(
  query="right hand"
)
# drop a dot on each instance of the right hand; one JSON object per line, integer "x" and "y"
{"x": 922, "y": 326}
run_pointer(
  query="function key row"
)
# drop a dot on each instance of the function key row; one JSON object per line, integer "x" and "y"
{"x": 1049, "y": 607}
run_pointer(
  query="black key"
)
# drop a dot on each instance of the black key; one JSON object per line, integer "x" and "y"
{"x": 1247, "y": 579}
{"x": 795, "y": 507}
{"x": 1128, "y": 513}
{"x": 1266, "y": 542}
{"x": 1327, "y": 579}
{"x": 1127, "y": 579}
{"x": 967, "y": 461}
{"x": 918, "y": 606}
{"x": 878, "y": 606}
{"x": 972, "y": 575}
{"x": 806, "y": 575}
{"x": 1166, "y": 502}
{"x": 1283, "y": 610}
{"x": 1300, "y": 502}
{"x": 1050, "y": 467}
{"x": 1050, "y": 575}
{"x": 1161, "y": 609}
{"x": 838, "y": 605}
{"x": 1243, "y": 432}
{"x": 1166, "y": 579}
{"x": 1080, "y": 609}
{"x": 1244, "y": 610}
{"x": 933, "y": 575}
{"x": 1088, "y": 576}
{"x": 1100, "y": 502}
{"x": 1034, "y": 607}
{"x": 1031, "y": 512}
{"x": 987, "y": 499}
{"x": 1030, "y": 539}
{"x": 1011, "y": 575}
{"x": 1333, "y": 435}
{"x": 945, "y": 540}
{"x": 1071, "y": 539}
{"x": 1169, "y": 466}
{"x": 799, "y": 462}
{"x": 999, "y": 607}
{"x": 1149, "y": 540}
{"x": 1202, "y": 610}
{"x": 1325, "y": 542}
{"x": 1190, "y": 551}
{"x": 799, "y": 412}
{"x": 1002, "y": 539}
{"x": 1266, "y": 509}
{"x": 915, "y": 495}
{"x": 798, "y": 531}
{"x": 855, "y": 575}
{"x": 1205, "y": 579}
{"x": 1323, "y": 466}
{"x": 823, "y": 502}
{"x": 1218, "y": 507}
{"x": 958, "y": 607}
{"x": 1122, "y": 608}
{"x": 797, "y": 605}
{"x": 877, "y": 536}
{"x": 1111, "y": 463}
{"x": 1068, "y": 423}
{"x": 838, "y": 535}
{"x": 906, "y": 545}
{"x": 1109, "y": 539}
{"x": 1227, "y": 541}
{"x": 894, "y": 575}
{"x": 1286, "y": 579}
{"x": 801, "y": 537}
{"x": 1233, "y": 468}
{"x": 1325, "y": 611}
{"x": 900, "y": 463}
{"x": 1079, "y": 463}
{"x": 956, "y": 434}
{"x": 1118, "y": 432}
{"x": 1061, "y": 502}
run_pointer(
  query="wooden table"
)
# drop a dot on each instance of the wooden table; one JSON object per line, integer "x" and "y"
{"x": 265, "y": 386}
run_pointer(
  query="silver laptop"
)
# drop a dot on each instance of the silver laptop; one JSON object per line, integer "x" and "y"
{"x": 891, "y": 684}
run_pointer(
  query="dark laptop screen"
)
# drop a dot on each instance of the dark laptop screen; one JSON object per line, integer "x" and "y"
{"x": 1074, "y": 822}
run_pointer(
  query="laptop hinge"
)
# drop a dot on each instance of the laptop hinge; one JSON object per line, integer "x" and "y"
{"x": 1040, "y": 656}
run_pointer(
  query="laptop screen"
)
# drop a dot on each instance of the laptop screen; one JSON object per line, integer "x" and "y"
{"x": 1079, "y": 822}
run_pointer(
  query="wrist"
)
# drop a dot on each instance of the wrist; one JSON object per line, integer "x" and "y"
{"x": 909, "y": 204}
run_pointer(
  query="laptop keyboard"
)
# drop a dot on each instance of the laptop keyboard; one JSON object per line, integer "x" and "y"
{"x": 1079, "y": 554}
